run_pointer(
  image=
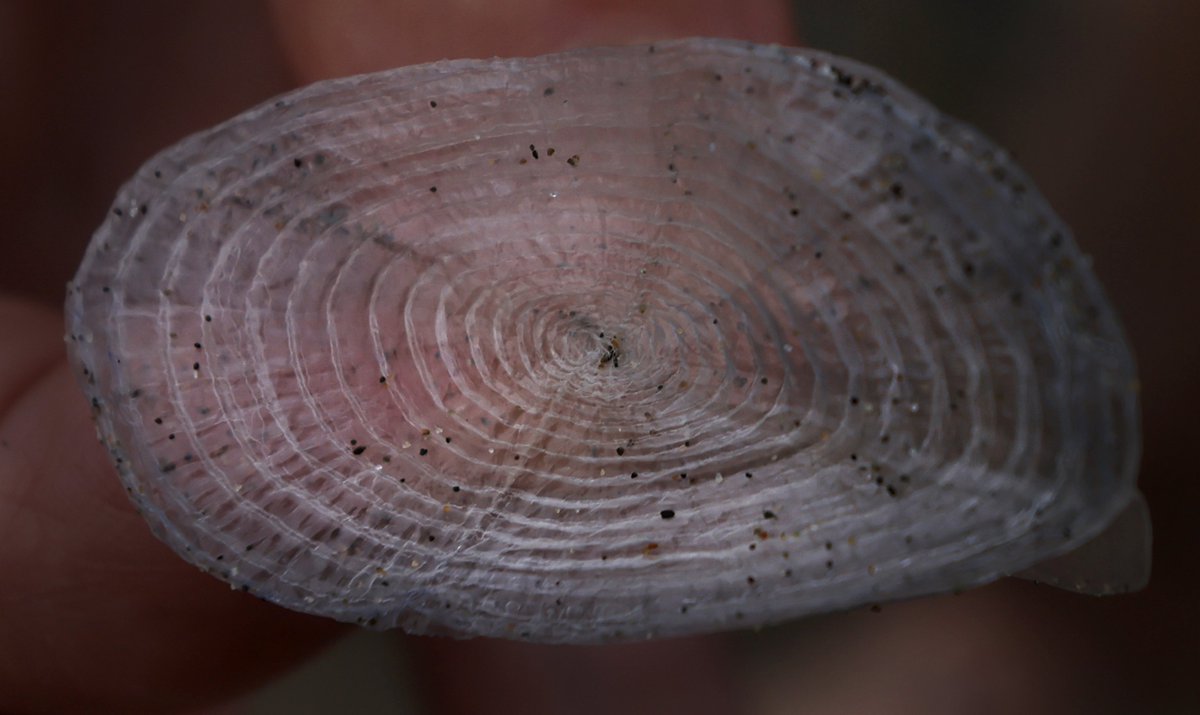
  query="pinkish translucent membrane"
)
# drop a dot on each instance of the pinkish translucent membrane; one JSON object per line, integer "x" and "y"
{"x": 608, "y": 344}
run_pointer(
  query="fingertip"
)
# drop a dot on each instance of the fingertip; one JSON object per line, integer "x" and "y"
{"x": 687, "y": 675}
{"x": 322, "y": 39}
{"x": 95, "y": 613}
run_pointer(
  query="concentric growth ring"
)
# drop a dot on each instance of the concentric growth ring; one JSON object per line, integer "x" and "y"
{"x": 599, "y": 345}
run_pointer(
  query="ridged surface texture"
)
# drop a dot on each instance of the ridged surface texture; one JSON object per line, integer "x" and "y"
{"x": 602, "y": 345}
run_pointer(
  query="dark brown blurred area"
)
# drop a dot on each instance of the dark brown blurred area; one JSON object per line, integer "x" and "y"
{"x": 1098, "y": 99}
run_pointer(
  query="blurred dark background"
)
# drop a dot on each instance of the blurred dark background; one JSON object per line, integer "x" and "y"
{"x": 1098, "y": 99}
